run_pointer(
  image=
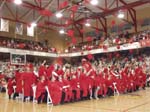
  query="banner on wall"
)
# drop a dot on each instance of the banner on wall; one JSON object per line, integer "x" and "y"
{"x": 30, "y": 31}
{"x": 4, "y": 25}
{"x": 19, "y": 28}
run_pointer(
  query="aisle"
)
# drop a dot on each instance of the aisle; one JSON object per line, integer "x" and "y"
{"x": 134, "y": 102}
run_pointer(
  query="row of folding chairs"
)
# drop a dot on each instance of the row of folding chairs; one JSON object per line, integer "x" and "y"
{"x": 21, "y": 96}
{"x": 49, "y": 99}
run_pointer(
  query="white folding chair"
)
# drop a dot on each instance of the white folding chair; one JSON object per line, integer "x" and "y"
{"x": 34, "y": 93}
{"x": 14, "y": 87}
{"x": 49, "y": 99}
{"x": 115, "y": 89}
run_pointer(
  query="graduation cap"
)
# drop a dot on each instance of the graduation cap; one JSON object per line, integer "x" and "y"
{"x": 45, "y": 12}
{"x": 63, "y": 4}
{"x": 70, "y": 33}
{"x": 89, "y": 39}
{"x": 74, "y": 40}
{"x": 60, "y": 60}
{"x": 90, "y": 56}
{"x": 113, "y": 22}
{"x": 74, "y": 8}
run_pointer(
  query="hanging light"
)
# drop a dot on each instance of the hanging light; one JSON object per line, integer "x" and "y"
{"x": 66, "y": 51}
{"x": 94, "y": 2}
{"x": 59, "y": 14}
{"x": 121, "y": 15}
{"x": 18, "y": 2}
{"x": 87, "y": 23}
{"x": 33, "y": 24}
{"x": 61, "y": 31}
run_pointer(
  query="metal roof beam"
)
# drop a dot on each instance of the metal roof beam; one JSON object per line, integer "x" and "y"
{"x": 109, "y": 12}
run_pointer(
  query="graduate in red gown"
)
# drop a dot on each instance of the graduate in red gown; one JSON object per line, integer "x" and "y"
{"x": 109, "y": 85}
{"x": 18, "y": 79}
{"x": 49, "y": 71}
{"x": 142, "y": 79}
{"x": 28, "y": 79}
{"x": 42, "y": 69}
{"x": 98, "y": 84}
{"x": 67, "y": 88}
{"x": 75, "y": 87}
{"x": 11, "y": 83}
{"x": 123, "y": 78}
{"x": 40, "y": 89}
{"x": 55, "y": 90}
{"x": 90, "y": 79}
{"x": 59, "y": 70}
{"x": 83, "y": 83}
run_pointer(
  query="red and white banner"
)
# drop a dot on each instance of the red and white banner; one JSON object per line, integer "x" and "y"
{"x": 30, "y": 31}
{"x": 4, "y": 25}
{"x": 19, "y": 28}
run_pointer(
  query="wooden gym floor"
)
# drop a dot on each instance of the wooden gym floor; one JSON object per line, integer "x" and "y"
{"x": 132, "y": 102}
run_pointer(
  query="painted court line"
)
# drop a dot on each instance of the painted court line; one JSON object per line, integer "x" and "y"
{"x": 131, "y": 108}
{"x": 96, "y": 108}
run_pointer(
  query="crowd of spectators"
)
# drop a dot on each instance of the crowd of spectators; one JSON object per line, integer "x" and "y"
{"x": 26, "y": 45}
{"x": 94, "y": 43}
{"x": 110, "y": 40}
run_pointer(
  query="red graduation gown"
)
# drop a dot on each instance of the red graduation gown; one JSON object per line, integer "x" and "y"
{"x": 40, "y": 88}
{"x": 55, "y": 89}
{"x": 75, "y": 86}
{"x": 10, "y": 86}
{"x": 28, "y": 80}
{"x": 18, "y": 78}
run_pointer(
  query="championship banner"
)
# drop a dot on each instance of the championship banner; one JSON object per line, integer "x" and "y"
{"x": 19, "y": 28}
{"x": 4, "y": 25}
{"x": 30, "y": 31}
{"x": 145, "y": 43}
{"x": 18, "y": 59}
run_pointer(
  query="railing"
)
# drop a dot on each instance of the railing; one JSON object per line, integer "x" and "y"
{"x": 135, "y": 45}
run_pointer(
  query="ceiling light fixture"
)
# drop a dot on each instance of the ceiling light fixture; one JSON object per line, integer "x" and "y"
{"x": 61, "y": 31}
{"x": 59, "y": 14}
{"x": 121, "y": 15}
{"x": 18, "y": 2}
{"x": 94, "y": 2}
{"x": 87, "y": 24}
{"x": 33, "y": 24}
